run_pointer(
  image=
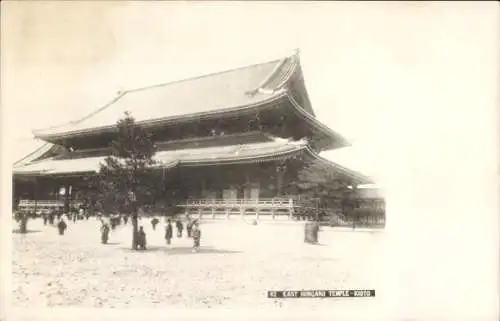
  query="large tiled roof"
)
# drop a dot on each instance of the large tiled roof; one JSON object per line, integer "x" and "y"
{"x": 210, "y": 155}
{"x": 68, "y": 166}
{"x": 233, "y": 89}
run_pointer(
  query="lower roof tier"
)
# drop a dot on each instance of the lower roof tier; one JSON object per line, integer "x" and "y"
{"x": 218, "y": 155}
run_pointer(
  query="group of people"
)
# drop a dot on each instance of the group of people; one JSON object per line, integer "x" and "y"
{"x": 57, "y": 215}
{"x": 60, "y": 220}
{"x": 192, "y": 228}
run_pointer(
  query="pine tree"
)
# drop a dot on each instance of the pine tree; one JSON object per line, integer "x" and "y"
{"x": 324, "y": 189}
{"x": 127, "y": 178}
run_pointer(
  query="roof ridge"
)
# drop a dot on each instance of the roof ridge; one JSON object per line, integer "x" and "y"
{"x": 272, "y": 73}
{"x": 290, "y": 70}
{"x": 205, "y": 75}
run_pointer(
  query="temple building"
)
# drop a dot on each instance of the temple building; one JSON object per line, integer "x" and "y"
{"x": 229, "y": 144}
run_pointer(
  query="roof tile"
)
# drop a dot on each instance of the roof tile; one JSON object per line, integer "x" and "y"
{"x": 171, "y": 157}
{"x": 218, "y": 91}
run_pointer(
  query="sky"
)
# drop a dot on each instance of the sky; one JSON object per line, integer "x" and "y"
{"x": 62, "y": 60}
{"x": 414, "y": 85}
{"x": 375, "y": 72}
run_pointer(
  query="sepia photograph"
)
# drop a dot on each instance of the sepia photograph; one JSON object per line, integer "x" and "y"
{"x": 260, "y": 156}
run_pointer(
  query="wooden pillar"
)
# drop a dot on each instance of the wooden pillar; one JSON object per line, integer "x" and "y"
{"x": 272, "y": 208}
{"x": 203, "y": 187}
{"x": 66, "y": 198}
{"x": 280, "y": 174}
{"x": 257, "y": 209}
{"x": 226, "y": 206}
{"x": 355, "y": 204}
{"x": 290, "y": 209}
{"x": 36, "y": 195}
{"x": 248, "y": 186}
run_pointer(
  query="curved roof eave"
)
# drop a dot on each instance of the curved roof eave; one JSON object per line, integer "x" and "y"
{"x": 359, "y": 177}
{"x": 171, "y": 119}
{"x": 202, "y": 161}
{"x": 342, "y": 142}
{"x": 34, "y": 155}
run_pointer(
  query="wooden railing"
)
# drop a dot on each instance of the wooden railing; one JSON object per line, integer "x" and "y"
{"x": 42, "y": 206}
{"x": 275, "y": 208}
{"x": 275, "y": 202}
{"x": 32, "y": 203}
{"x": 283, "y": 207}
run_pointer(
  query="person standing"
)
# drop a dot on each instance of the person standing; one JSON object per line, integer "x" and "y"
{"x": 155, "y": 222}
{"x": 196, "y": 233}
{"x": 168, "y": 231}
{"x": 104, "y": 233}
{"x": 179, "y": 226}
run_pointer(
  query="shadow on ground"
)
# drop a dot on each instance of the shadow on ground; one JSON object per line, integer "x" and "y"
{"x": 183, "y": 250}
{"x": 18, "y": 231}
{"x": 315, "y": 244}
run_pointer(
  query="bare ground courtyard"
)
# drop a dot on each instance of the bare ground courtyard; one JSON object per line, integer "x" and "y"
{"x": 236, "y": 265}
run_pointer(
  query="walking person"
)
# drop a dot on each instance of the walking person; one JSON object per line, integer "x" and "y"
{"x": 141, "y": 239}
{"x": 168, "y": 231}
{"x": 179, "y": 226}
{"x": 81, "y": 214}
{"x": 196, "y": 233}
{"x": 189, "y": 227}
{"x": 52, "y": 217}
{"x": 62, "y": 226}
{"x": 113, "y": 222}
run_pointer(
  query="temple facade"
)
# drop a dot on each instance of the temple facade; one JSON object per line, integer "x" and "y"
{"x": 229, "y": 144}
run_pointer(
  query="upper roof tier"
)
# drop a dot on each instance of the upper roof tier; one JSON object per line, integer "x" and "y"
{"x": 214, "y": 94}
